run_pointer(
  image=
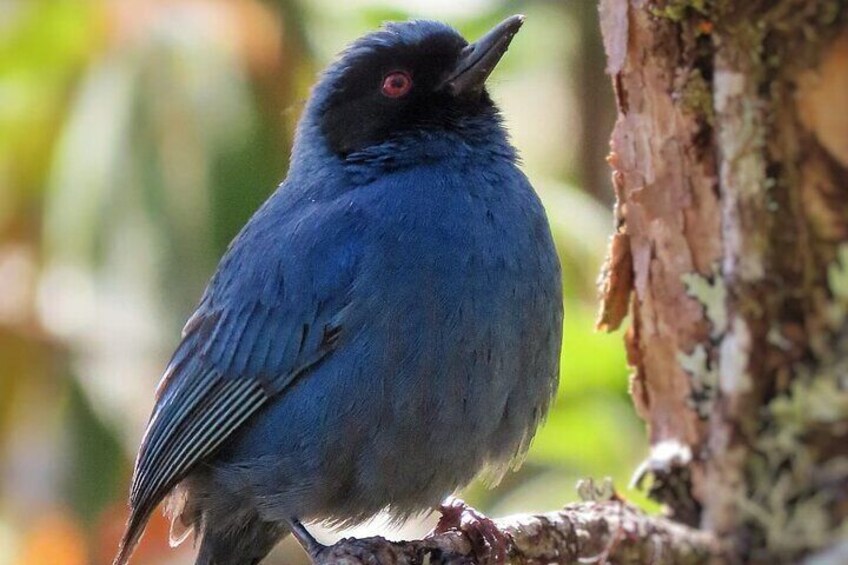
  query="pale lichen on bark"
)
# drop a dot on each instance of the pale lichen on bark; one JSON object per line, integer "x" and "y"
{"x": 772, "y": 496}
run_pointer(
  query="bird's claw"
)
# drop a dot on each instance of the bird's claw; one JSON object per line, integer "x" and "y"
{"x": 485, "y": 536}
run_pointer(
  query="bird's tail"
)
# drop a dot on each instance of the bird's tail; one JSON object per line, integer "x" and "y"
{"x": 132, "y": 534}
{"x": 248, "y": 544}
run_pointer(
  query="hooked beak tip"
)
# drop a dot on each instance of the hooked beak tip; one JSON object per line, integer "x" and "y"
{"x": 480, "y": 58}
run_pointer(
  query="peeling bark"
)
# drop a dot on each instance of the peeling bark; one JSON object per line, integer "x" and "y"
{"x": 666, "y": 183}
{"x": 730, "y": 158}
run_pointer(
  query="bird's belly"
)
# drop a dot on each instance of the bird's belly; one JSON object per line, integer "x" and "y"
{"x": 450, "y": 371}
{"x": 403, "y": 415}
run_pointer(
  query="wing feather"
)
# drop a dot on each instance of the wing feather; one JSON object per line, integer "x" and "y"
{"x": 251, "y": 335}
{"x": 201, "y": 433}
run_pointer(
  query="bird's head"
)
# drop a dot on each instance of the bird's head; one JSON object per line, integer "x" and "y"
{"x": 406, "y": 78}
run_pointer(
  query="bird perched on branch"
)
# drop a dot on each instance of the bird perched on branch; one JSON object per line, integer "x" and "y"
{"x": 386, "y": 325}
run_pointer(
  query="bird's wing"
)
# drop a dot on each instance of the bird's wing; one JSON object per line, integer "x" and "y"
{"x": 258, "y": 327}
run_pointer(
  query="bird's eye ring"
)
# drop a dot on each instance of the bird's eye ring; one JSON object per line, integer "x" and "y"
{"x": 396, "y": 84}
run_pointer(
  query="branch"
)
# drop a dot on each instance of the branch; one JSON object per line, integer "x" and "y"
{"x": 588, "y": 532}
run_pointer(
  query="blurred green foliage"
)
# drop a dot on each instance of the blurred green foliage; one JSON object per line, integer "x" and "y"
{"x": 135, "y": 140}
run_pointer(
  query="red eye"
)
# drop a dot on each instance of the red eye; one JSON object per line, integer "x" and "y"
{"x": 396, "y": 84}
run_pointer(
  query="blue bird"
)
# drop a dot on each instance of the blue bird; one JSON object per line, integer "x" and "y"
{"x": 384, "y": 328}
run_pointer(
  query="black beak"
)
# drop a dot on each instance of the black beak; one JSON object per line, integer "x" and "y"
{"x": 479, "y": 59}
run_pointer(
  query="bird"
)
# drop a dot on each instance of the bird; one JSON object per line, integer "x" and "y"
{"x": 386, "y": 327}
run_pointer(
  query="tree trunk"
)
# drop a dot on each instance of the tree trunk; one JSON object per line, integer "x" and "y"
{"x": 730, "y": 158}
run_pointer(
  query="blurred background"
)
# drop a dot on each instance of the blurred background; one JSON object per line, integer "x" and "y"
{"x": 137, "y": 136}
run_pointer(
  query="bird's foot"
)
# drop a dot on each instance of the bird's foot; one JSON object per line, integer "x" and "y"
{"x": 485, "y": 536}
{"x": 306, "y": 540}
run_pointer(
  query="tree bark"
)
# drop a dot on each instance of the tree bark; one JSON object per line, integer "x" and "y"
{"x": 609, "y": 531}
{"x": 730, "y": 158}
